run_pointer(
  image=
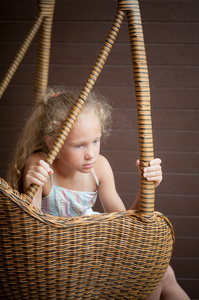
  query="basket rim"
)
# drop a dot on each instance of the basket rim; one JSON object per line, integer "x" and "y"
{"x": 25, "y": 203}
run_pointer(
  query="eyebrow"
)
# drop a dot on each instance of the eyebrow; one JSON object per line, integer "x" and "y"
{"x": 83, "y": 141}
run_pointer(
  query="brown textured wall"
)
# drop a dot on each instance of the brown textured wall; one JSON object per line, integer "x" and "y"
{"x": 172, "y": 44}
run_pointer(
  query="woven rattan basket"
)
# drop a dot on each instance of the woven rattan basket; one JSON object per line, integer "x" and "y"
{"x": 111, "y": 256}
{"x": 107, "y": 256}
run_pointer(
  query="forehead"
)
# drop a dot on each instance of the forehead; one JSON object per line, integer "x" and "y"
{"x": 87, "y": 118}
{"x": 86, "y": 127}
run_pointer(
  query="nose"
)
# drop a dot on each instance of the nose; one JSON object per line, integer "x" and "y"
{"x": 89, "y": 153}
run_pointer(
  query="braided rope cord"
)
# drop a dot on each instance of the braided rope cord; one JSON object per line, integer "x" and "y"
{"x": 142, "y": 90}
{"x": 44, "y": 22}
{"x": 46, "y": 9}
{"x": 143, "y": 99}
{"x": 20, "y": 54}
{"x": 95, "y": 72}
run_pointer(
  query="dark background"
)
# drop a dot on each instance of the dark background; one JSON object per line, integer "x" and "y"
{"x": 171, "y": 29}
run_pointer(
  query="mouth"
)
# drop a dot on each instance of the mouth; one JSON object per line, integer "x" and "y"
{"x": 88, "y": 166}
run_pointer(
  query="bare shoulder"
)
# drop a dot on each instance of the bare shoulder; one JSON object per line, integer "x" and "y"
{"x": 102, "y": 167}
{"x": 102, "y": 162}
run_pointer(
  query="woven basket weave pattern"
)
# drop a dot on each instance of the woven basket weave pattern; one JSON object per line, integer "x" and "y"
{"x": 114, "y": 256}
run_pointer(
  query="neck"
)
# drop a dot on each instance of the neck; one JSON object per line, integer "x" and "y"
{"x": 63, "y": 171}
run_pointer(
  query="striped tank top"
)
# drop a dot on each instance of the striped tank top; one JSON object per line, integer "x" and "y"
{"x": 68, "y": 203}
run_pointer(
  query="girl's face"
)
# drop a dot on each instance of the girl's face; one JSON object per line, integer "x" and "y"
{"x": 81, "y": 149}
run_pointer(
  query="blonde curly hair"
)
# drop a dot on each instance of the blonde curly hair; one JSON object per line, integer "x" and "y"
{"x": 47, "y": 118}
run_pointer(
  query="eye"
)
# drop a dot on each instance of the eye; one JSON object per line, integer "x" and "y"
{"x": 78, "y": 146}
{"x": 96, "y": 141}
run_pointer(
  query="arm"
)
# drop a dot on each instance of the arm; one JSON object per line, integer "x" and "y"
{"x": 151, "y": 173}
{"x": 37, "y": 172}
{"x": 108, "y": 195}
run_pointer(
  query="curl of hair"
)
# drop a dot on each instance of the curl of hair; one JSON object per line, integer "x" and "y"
{"x": 47, "y": 118}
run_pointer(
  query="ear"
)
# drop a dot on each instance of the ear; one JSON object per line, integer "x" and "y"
{"x": 49, "y": 141}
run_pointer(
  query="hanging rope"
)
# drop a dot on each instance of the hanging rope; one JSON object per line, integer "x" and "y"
{"x": 142, "y": 97}
{"x": 45, "y": 9}
{"x": 43, "y": 21}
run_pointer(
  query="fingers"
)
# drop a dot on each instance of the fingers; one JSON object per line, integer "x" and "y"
{"x": 137, "y": 163}
{"x": 154, "y": 171}
{"x": 156, "y": 161}
{"x": 38, "y": 174}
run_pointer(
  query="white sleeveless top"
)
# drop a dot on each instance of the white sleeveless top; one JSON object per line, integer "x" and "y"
{"x": 69, "y": 203}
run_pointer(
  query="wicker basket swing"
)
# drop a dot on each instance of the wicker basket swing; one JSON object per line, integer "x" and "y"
{"x": 108, "y": 256}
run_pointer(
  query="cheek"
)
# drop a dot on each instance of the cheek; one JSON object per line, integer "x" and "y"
{"x": 98, "y": 148}
{"x": 72, "y": 154}
{"x": 98, "y": 151}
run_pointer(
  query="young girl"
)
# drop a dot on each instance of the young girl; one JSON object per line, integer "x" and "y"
{"x": 79, "y": 173}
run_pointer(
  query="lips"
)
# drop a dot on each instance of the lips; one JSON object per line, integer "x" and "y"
{"x": 88, "y": 166}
